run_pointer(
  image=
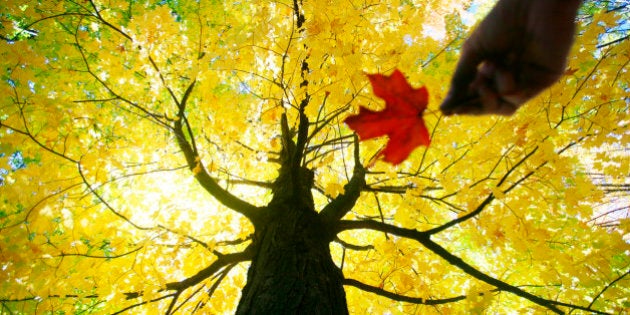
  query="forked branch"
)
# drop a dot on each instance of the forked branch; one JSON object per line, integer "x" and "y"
{"x": 341, "y": 205}
{"x": 424, "y": 238}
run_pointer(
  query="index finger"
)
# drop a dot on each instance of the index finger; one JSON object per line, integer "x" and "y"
{"x": 460, "y": 94}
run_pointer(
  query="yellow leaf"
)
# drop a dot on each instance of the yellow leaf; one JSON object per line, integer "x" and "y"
{"x": 197, "y": 169}
{"x": 334, "y": 189}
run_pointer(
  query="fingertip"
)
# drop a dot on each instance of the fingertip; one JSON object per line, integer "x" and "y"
{"x": 446, "y": 112}
{"x": 470, "y": 105}
{"x": 447, "y": 107}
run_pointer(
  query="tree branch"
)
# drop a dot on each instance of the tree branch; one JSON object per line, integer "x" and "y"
{"x": 103, "y": 201}
{"x": 472, "y": 271}
{"x": 199, "y": 170}
{"x": 154, "y": 117}
{"x": 381, "y": 227}
{"x": 618, "y": 40}
{"x": 607, "y": 287}
{"x": 27, "y": 132}
{"x": 145, "y": 302}
{"x": 488, "y": 199}
{"x": 463, "y": 218}
{"x": 205, "y": 273}
{"x": 424, "y": 238}
{"x": 99, "y": 257}
{"x": 352, "y": 246}
{"x": 210, "y": 291}
{"x": 399, "y": 297}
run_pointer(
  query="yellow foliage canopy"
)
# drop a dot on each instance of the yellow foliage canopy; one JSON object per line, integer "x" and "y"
{"x": 138, "y": 140}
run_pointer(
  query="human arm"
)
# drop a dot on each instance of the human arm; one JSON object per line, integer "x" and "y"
{"x": 516, "y": 52}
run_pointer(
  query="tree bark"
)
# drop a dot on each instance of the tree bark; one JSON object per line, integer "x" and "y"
{"x": 292, "y": 271}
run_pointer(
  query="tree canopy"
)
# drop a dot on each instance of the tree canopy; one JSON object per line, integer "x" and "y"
{"x": 146, "y": 149}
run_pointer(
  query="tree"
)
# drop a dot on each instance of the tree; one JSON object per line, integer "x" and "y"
{"x": 168, "y": 156}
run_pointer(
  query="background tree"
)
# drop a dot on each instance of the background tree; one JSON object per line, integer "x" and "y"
{"x": 190, "y": 156}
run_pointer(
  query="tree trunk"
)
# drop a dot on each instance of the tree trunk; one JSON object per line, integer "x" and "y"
{"x": 292, "y": 271}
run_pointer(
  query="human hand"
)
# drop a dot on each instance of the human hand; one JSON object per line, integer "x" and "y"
{"x": 517, "y": 51}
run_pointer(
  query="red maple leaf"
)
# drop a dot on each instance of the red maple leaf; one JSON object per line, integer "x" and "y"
{"x": 401, "y": 120}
